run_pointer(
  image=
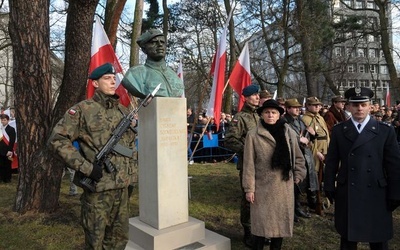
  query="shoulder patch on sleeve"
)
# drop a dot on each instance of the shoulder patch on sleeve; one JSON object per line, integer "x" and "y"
{"x": 72, "y": 111}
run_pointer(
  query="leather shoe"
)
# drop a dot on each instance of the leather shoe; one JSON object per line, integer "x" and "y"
{"x": 301, "y": 213}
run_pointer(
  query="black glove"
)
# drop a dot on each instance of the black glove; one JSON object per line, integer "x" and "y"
{"x": 393, "y": 204}
{"x": 97, "y": 173}
{"x": 330, "y": 195}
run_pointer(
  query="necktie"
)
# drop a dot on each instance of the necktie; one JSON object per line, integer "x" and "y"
{"x": 359, "y": 126}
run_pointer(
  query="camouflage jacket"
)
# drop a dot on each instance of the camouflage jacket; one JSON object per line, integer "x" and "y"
{"x": 242, "y": 122}
{"x": 91, "y": 123}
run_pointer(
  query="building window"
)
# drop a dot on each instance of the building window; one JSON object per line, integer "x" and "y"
{"x": 372, "y": 68}
{"x": 383, "y": 69}
{"x": 350, "y": 52}
{"x": 361, "y": 52}
{"x": 371, "y": 38}
{"x": 358, "y": 4}
{"x": 363, "y": 83}
{"x": 370, "y": 5}
{"x": 338, "y": 51}
{"x": 361, "y": 68}
{"x": 372, "y": 53}
{"x": 352, "y": 83}
{"x": 347, "y": 2}
{"x": 350, "y": 68}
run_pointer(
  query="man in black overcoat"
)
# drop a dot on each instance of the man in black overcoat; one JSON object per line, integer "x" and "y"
{"x": 362, "y": 175}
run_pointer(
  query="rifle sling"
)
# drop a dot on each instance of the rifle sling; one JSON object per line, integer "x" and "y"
{"x": 122, "y": 150}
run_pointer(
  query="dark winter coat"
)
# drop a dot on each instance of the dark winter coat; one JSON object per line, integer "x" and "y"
{"x": 366, "y": 167}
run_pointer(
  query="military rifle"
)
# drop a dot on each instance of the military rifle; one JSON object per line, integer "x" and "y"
{"x": 102, "y": 157}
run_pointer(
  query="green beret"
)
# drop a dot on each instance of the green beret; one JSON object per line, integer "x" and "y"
{"x": 147, "y": 36}
{"x": 98, "y": 72}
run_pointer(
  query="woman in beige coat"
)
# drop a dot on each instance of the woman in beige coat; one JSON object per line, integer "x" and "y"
{"x": 273, "y": 163}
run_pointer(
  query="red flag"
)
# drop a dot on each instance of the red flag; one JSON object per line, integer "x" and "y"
{"x": 180, "y": 74}
{"x": 388, "y": 101}
{"x": 215, "y": 103}
{"x": 103, "y": 52}
{"x": 241, "y": 76}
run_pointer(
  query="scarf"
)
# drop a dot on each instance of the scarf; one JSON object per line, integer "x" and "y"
{"x": 281, "y": 156}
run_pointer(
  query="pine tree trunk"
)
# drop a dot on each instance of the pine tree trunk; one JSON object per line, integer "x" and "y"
{"x": 39, "y": 172}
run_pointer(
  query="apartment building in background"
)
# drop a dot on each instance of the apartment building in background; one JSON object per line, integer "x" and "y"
{"x": 358, "y": 60}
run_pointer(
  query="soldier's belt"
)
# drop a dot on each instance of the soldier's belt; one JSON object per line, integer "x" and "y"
{"x": 122, "y": 150}
{"x": 322, "y": 138}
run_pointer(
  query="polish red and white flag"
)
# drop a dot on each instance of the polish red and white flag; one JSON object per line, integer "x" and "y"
{"x": 180, "y": 75}
{"x": 218, "y": 69}
{"x": 101, "y": 53}
{"x": 241, "y": 75}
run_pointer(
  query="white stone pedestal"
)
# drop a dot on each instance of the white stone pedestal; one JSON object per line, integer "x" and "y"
{"x": 163, "y": 221}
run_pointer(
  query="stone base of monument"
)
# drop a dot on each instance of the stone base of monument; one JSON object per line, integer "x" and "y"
{"x": 185, "y": 236}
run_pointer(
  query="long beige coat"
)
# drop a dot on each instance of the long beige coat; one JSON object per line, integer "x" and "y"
{"x": 272, "y": 212}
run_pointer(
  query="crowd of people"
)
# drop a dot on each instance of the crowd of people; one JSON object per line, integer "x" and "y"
{"x": 339, "y": 163}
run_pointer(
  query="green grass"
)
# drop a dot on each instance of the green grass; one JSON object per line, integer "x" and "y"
{"x": 215, "y": 200}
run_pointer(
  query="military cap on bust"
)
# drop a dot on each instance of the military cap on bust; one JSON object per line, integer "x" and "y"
{"x": 265, "y": 94}
{"x": 250, "y": 90}
{"x": 292, "y": 103}
{"x": 338, "y": 98}
{"x": 359, "y": 94}
{"x": 98, "y": 72}
{"x": 313, "y": 101}
{"x": 148, "y": 35}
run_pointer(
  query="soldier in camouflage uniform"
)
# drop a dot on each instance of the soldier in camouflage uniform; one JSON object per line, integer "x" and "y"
{"x": 243, "y": 122}
{"x": 104, "y": 213}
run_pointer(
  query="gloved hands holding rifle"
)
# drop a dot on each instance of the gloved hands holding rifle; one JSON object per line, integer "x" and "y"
{"x": 97, "y": 173}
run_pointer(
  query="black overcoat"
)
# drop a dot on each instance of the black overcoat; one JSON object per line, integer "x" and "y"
{"x": 366, "y": 167}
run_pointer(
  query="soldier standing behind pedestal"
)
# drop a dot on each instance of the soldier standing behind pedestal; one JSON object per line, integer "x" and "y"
{"x": 243, "y": 122}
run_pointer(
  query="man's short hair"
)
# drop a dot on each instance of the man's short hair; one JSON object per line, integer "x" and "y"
{"x": 4, "y": 116}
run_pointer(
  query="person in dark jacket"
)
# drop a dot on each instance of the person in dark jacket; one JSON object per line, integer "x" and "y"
{"x": 305, "y": 136}
{"x": 363, "y": 160}
{"x": 7, "y": 141}
{"x": 335, "y": 113}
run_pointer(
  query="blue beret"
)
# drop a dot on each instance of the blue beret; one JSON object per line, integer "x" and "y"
{"x": 98, "y": 72}
{"x": 251, "y": 89}
{"x": 147, "y": 36}
{"x": 358, "y": 94}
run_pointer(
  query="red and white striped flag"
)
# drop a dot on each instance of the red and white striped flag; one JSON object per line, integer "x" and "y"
{"x": 388, "y": 101}
{"x": 101, "y": 53}
{"x": 241, "y": 75}
{"x": 180, "y": 75}
{"x": 215, "y": 103}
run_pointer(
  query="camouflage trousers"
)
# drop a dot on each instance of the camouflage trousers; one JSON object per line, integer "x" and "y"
{"x": 105, "y": 219}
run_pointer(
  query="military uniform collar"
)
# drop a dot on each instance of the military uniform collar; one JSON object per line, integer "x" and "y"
{"x": 108, "y": 101}
{"x": 158, "y": 65}
{"x": 249, "y": 108}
